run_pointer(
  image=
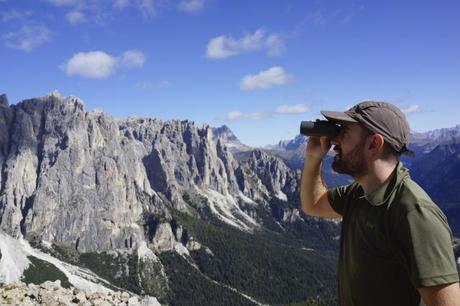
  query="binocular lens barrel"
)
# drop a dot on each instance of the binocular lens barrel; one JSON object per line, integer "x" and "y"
{"x": 319, "y": 128}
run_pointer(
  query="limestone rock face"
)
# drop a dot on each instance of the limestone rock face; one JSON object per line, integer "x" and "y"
{"x": 181, "y": 156}
{"x": 164, "y": 238}
{"x": 273, "y": 174}
{"x": 87, "y": 180}
{"x": 68, "y": 176}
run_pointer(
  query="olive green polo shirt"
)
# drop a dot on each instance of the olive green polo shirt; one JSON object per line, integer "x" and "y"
{"x": 393, "y": 241}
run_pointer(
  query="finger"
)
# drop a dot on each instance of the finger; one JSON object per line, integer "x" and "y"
{"x": 325, "y": 143}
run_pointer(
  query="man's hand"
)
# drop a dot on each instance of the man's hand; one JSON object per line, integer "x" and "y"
{"x": 318, "y": 147}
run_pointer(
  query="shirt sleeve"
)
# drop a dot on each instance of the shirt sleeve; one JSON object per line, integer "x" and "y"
{"x": 426, "y": 244}
{"x": 339, "y": 196}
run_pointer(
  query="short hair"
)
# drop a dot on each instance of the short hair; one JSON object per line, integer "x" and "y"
{"x": 388, "y": 151}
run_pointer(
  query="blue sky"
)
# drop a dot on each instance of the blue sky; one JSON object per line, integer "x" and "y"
{"x": 258, "y": 66}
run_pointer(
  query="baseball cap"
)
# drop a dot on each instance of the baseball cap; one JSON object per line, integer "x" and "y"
{"x": 379, "y": 117}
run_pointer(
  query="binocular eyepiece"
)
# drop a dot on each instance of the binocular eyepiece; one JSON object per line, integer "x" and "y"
{"x": 319, "y": 128}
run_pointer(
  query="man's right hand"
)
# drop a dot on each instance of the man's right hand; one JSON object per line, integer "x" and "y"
{"x": 318, "y": 147}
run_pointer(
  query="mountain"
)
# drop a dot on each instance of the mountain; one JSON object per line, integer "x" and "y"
{"x": 437, "y": 137}
{"x": 153, "y": 206}
{"x": 438, "y": 173}
{"x": 299, "y": 142}
{"x": 225, "y": 135}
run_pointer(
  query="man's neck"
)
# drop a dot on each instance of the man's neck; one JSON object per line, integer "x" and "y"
{"x": 380, "y": 172}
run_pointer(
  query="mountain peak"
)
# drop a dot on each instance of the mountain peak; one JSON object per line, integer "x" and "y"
{"x": 53, "y": 100}
{"x": 55, "y": 93}
{"x": 229, "y": 139}
{"x": 3, "y": 100}
{"x": 224, "y": 132}
{"x": 225, "y": 128}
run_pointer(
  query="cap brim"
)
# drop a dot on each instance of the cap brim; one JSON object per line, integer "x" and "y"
{"x": 337, "y": 116}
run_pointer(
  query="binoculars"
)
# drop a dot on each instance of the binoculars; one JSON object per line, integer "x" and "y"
{"x": 319, "y": 128}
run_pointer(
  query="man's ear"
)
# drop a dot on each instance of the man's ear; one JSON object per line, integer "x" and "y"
{"x": 376, "y": 142}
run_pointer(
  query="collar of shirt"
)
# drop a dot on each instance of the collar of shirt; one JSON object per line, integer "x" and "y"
{"x": 385, "y": 192}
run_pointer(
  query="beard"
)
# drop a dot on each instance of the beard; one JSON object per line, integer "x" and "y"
{"x": 352, "y": 163}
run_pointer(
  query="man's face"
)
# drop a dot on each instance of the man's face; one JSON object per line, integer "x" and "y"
{"x": 349, "y": 146}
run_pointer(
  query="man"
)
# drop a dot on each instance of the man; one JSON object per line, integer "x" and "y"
{"x": 396, "y": 245}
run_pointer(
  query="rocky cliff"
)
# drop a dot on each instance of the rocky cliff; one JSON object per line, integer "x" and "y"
{"x": 93, "y": 182}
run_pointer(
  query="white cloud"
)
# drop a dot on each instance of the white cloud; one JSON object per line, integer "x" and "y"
{"x": 153, "y": 85}
{"x": 121, "y": 3}
{"x": 265, "y": 79}
{"x": 291, "y": 109}
{"x": 280, "y": 110}
{"x": 132, "y": 59}
{"x": 217, "y": 48}
{"x": 146, "y": 7}
{"x": 234, "y": 116}
{"x": 411, "y": 109}
{"x": 28, "y": 37}
{"x": 191, "y": 6}
{"x": 274, "y": 45}
{"x": 238, "y": 116}
{"x": 346, "y": 19}
{"x": 93, "y": 65}
{"x": 102, "y": 11}
{"x": 100, "y": 65}
{"x": 225, "y": 46}
{"x": 62, "y": 2}
{"x": 75, "y": 17}
{"x": 317, "y": 18}
{"x": 14, "y": 15}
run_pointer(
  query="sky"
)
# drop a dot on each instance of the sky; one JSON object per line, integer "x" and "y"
{"x": 258, "y": 66}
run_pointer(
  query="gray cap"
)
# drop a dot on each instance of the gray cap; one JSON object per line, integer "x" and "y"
{"x": 379, "y": 117}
